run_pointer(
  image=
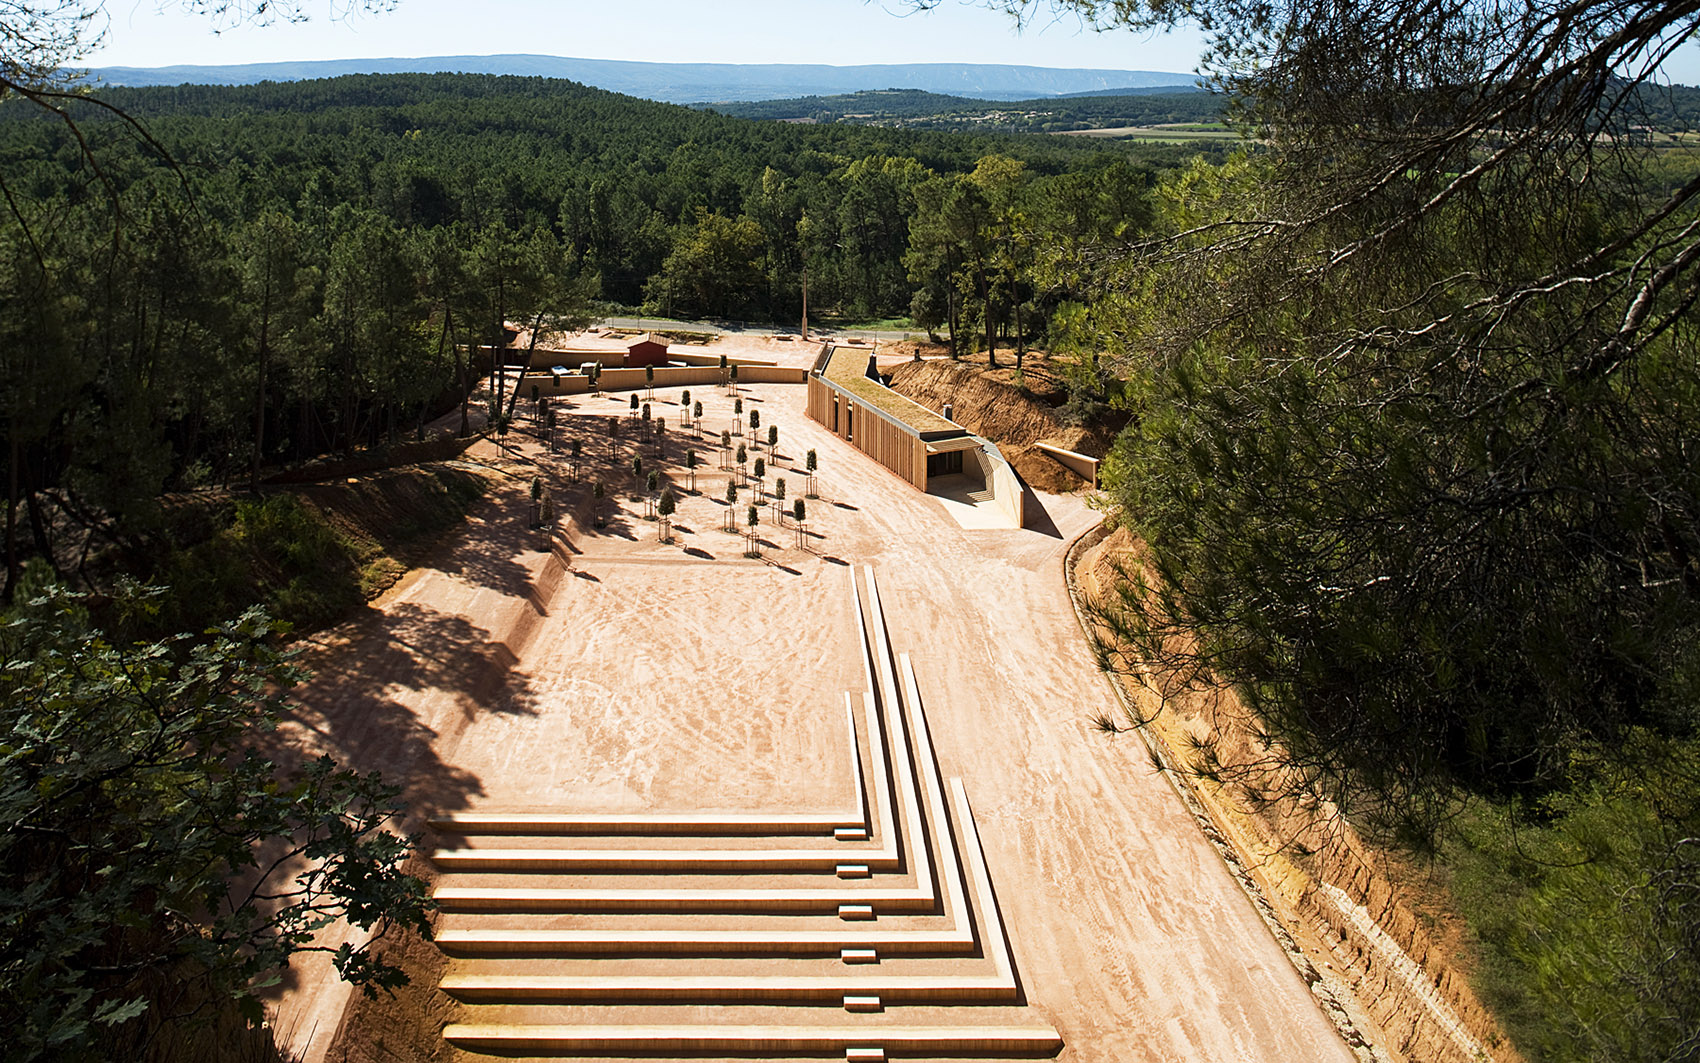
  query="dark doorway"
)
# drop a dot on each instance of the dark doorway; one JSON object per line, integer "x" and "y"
{"x": 944, "y": 464}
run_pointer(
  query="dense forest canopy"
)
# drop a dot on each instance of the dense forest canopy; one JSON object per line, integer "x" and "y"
{"x": 1413, "y": 395}
{"x": 1412, "y": 381}
{"x": 429, "y": 150}
{"x": 280, "y": 270}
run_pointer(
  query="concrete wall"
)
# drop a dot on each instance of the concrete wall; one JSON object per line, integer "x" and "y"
{"x": 1009, "y": 493}
{"x": 665, "y": 377}
{"x": 977, "y": 465}
{"x": 1083, "y": 465}
{"x": 616, "y": 359}
{"x": 771, "y": 374}
{"x": 693, "y": 358}
{"x": 542, "y": 359}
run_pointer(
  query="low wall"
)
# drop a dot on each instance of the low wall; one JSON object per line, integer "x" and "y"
{"x": 544, "y": 359}
{"x": 665, "y": 377}
{"x": 772, "y": 374}
{"x": 1083, "y": 465}
{"x": 1009, "y": 493}
{"x": 616, "y": 359}
{"x": 714, "y": 359}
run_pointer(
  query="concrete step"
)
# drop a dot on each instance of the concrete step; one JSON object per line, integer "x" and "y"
{"x": 477, "y": 899}
{"x": 548, "y": 990}
{"x": 697, "y": 942}
{"x": 1029, "y": 1041}
{"x": 637, "y": 860}
{"x": 705, "y": 823}
{"x": 723, "y": 989}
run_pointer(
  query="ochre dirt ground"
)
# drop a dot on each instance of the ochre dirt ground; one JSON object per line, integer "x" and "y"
{"x": 603, "y": 670}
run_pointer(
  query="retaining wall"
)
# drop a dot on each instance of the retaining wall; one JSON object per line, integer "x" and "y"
{"x": 1009, "y": 493}
{"x": 544, "y": 359}
{"x": 665, "y": 377}
{"x": 1083, "y": 465}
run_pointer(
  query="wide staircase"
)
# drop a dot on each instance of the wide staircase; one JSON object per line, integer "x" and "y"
{"x": 863, "y": 932}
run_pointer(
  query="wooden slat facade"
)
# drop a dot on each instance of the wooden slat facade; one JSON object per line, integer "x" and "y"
{"x": 892, "y": 444}
{"x": 902, "y": 448}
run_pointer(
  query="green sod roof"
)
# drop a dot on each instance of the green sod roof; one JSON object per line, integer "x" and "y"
{"x": 848, "y": 369}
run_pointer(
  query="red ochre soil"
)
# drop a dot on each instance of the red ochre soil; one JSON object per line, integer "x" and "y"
{"x": 599, "y": 669}
{"x": 1411, "y": 983}
{"x": 985, "y": 402}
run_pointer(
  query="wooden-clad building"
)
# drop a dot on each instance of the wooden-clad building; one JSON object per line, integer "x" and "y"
{"x": 848, "y": 397}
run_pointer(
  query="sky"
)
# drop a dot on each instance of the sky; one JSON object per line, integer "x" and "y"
{"x": 148, "y": 33}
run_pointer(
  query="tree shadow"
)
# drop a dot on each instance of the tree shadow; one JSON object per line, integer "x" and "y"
{"x": 848, "y": 506}
{"x": 412, "y": 646}
{"x": 833, "y": 560}
{"x": 369, "y": 706}
{"x": 490, "y": 560}
{"x": 698, "y": 552}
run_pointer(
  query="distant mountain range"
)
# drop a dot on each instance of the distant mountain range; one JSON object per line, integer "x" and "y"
{"x": 689, "y": 82}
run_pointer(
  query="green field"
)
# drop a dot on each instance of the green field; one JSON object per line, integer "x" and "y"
{"x": 1157, "y": 134}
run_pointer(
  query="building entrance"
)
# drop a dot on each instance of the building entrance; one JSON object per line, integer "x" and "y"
{"x": 944, "y": 464}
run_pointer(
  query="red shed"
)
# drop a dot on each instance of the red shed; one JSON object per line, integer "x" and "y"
{"x": 646, "y": 350}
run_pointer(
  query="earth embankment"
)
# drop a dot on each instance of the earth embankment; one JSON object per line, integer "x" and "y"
{"x": 1010, "y": 417}
{"x": 1370, "y": 921}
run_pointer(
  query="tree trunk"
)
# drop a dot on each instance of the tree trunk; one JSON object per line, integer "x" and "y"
{"x": 461, "y": 382}
{"x": 350, "y": 399}
{"x": 38, "y": 527}
{"x": 1020, "y": 343}
{"x": 260, "y": 389}
{"x": 498, "y": 359}
{"x": 531, "y": 348}
{"x": 950, "y": 314}
{"x": 13, "y": 566}
{"x": 304, "y": 429}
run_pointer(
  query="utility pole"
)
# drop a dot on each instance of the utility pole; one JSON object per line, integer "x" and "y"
{"x": 805, "y": 304}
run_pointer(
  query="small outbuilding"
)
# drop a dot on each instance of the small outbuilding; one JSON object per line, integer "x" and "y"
{"x": 645, "y": 350}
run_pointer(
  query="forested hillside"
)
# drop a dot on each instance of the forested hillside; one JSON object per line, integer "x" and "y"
{"x": 209, "y": 280}
{"x": 619, "y": 180}
{"x": 1410, "y": 383}
{"x": 913, "y": 109}
{"x": 1412, "y": 462}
